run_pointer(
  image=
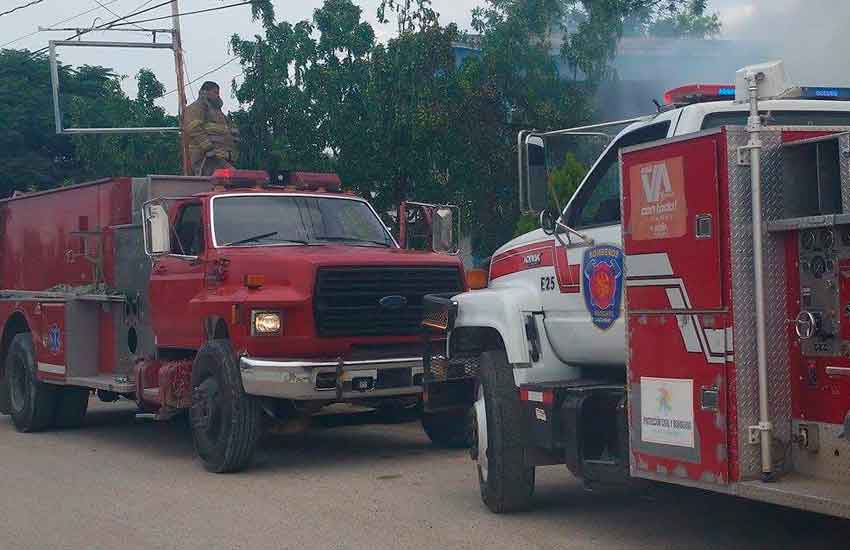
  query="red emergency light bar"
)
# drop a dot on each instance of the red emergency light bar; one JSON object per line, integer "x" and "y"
{"x": 313, "y": 181}
{"x": 232, "y": 177}
{"x": 697, "y": 93}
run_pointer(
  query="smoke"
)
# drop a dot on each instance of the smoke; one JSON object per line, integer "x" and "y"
{"x": 811, "y": 36}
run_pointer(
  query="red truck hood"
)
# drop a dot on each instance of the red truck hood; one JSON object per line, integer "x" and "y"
{"x": 339, "y": 255}
{"x": 293, "y": 268}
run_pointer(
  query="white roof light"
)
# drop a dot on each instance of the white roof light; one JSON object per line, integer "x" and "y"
{"x": 774, "y": 83}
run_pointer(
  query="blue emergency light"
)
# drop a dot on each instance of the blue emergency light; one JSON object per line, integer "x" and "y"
{"x": 821, "y": 92}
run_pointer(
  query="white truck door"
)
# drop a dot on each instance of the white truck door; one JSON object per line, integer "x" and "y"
{"x": 584, "y": 308}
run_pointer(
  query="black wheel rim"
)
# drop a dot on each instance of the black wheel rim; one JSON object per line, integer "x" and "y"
{"x": 18, "y": 385}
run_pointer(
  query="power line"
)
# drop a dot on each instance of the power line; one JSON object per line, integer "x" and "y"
{"x": 106, "y": 25}
{"x": 211, "y": 71}
{"x": 13, "y": 10}
{"x": 186, "y": 72}
{"x": 182, "y": 14}
{"x": 35, "y": 32}
{"x": 104, "y": 6}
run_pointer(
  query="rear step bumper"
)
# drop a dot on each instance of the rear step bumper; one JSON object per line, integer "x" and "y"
{"x": 331, "y": 380}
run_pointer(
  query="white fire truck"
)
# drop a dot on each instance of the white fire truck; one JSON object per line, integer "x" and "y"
{"x": 684, "y": 319}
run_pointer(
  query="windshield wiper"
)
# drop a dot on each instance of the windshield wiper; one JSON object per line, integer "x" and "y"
{"x": 264, "y": 236}
{"x": 353, "y": 239}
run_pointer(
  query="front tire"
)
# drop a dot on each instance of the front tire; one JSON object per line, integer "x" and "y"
{"x": 506, "y": 482}
{"x": 32, "y": 402}
{"x": 448, "y": 429}
{"x": 226, "y": 423}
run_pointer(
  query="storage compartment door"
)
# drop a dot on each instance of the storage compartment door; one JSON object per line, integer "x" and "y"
{"x": 675, "y": 280}
{"x": 677, "y": 397}
{"x": 671, "y": 220}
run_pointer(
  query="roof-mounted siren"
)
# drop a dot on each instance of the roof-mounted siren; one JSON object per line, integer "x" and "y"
{"x": 773, "y": 83}
{"x": 314, "y": 181}
{"x": 231, "y": 178}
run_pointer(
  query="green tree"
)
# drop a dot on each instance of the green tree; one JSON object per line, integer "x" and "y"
{"x": 104, "y": 104}
{"x": 402, "y": 120}
{"x": 689, "y": 19}
{"x": 35, "y": 157}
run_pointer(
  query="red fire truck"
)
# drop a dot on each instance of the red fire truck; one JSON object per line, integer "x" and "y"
{"x": 685, "y": 319}
{"x": 236, "y": 300}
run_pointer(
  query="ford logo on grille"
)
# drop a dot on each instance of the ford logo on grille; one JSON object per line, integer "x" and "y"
{"x": 393, "y": 303}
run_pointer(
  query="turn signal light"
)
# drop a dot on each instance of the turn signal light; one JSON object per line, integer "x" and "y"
{"x": 255, "y": 281}
{"x": 476, "y": 278}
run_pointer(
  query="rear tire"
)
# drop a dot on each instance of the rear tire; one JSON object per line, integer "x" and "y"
{"x": 33, "y": 403}
{"x": 226, "y": 423}
{"x": 5, "y": 398}
{"x": 71, "y": 407}
{"x": 448, "y": 429}
{"x": 506, "y": 482}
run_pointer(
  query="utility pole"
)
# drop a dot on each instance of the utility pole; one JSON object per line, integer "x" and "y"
{"x": 181, "y": 85}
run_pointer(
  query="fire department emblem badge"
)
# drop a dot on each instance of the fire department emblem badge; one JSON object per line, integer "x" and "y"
{"x": 54, "y": 339}
{"x": 602, "y": 284}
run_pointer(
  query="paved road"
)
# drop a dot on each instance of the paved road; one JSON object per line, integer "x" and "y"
{"x": 123, "y": 482}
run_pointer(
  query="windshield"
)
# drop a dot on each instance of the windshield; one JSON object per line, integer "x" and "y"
{"x": 276, "y": 219}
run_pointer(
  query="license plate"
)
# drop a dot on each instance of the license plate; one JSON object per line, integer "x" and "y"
{"x": 362, "y": 383}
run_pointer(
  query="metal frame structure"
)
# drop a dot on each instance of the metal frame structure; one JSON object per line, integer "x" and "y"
{"x": 54, "y": 77}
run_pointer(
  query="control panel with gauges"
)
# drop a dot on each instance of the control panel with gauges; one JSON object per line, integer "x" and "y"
{"x": 822, "y": 321}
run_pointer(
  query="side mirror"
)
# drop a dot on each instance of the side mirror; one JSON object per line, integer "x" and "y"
{"x": 434, "y": 227}
{"x": 444, "y": 237}
{"x": 533, "y": 184}
{"x": 156, "y": 229}
{"x": 548, "y": 220}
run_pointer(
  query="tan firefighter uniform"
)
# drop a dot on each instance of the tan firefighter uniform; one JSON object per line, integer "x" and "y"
{"x": 211, "y": 141}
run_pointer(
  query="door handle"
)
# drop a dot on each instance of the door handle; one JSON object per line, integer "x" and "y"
{"x": 838, "y": 371}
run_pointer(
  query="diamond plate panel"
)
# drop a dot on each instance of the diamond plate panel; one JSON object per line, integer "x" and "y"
{"x": 746, "y": 371}
{"x": 844, "y": 163}
{"x": 831, "y": 461}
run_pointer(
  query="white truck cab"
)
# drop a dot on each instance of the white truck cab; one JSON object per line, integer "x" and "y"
{"x": 553, "y": 310}
{"x": 537, "y": 274}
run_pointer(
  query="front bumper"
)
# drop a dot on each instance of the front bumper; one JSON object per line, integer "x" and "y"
{"x": 331, "y": 380}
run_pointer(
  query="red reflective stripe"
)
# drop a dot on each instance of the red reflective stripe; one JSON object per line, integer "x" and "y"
{"x": 523, "y": 249}
{"x": 569, "y": 275}
{"x": 513, "y": 261}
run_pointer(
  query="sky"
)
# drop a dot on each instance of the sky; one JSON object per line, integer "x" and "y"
{"x": 803, "y": 32}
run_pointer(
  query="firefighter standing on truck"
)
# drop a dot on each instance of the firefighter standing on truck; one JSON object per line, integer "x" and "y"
{"x": 212, "y": 143}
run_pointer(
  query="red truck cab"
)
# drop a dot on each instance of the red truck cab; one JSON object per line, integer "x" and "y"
{"x": 236, "y": 300}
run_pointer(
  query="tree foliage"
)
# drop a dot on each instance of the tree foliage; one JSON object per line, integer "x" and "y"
{"x": 404, "y": 119}
{"x": 687, "y": 20}
{"x": 35, "y": 157}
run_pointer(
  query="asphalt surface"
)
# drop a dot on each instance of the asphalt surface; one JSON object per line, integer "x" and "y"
{"x": 349, "y": 483}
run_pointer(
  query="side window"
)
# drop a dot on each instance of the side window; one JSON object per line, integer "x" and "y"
{"x": 598, "y": 200}
{"x": 188, "y": 238}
